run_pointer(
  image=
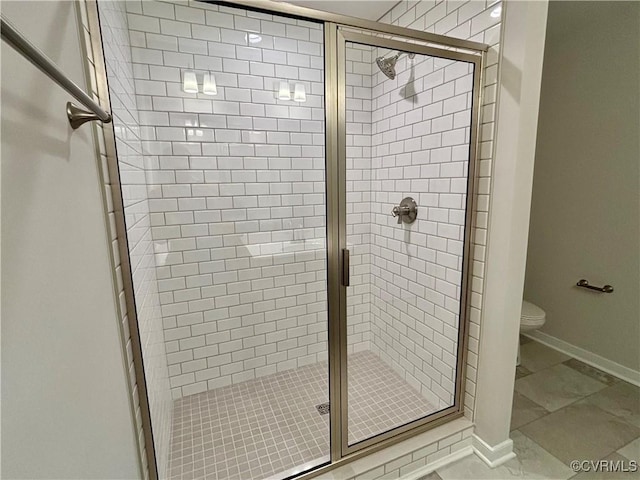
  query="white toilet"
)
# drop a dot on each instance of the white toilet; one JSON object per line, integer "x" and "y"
{"x": 531, "y": 318}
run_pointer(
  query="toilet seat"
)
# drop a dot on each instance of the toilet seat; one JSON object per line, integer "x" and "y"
{"x": 531, "y": 315}
{"x": 531, "y": 318}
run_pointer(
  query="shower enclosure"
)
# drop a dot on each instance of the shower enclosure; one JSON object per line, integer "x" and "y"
{"x": 297, "y": 192}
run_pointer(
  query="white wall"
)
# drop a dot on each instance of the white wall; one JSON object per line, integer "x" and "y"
{"x": 131, "y": 161}
{"x": 585, "y": 217}
{"x": 66, "y": 403}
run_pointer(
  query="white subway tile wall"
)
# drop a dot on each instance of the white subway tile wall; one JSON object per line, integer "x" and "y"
{"x": 227, "y": 172}
{"x": 236, "y": 187}
{"x": 131, "y": 159}
{"x": 421, "y": 132}
{"x": 472, "y": 20}
{"x": 476, "y": 20}
{"x": 91, "y": 56}
{"x": 408, "y": 137}
{"x": 414, "y": 463}
{"x": 359, "y": 69}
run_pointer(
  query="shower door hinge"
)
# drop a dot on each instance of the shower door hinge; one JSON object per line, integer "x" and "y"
{"x": 345, "y": 267}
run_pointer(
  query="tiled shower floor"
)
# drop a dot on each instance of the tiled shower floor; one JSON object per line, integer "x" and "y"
{"x": 270, "y": 427}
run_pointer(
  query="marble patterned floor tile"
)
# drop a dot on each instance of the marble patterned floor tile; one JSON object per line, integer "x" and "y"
{"x": 536, "y": 356}
{"x": 580, "y": 431}
{"x": 525, "y": 411}
{"x": 618, "y": 462}
{"x": 557, "y": 387}
{"x": 631, "y": 450}
{"x": 592, "y": 372}
{"x": 531, "y": 462}
{"x": 522, "y": 372}
{"x": 621, "y": 400}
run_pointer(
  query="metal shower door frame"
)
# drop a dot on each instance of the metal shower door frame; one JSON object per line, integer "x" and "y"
{"x": 344, "y": 34}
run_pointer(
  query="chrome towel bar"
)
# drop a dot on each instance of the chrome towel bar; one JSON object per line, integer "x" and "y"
{"x": 585, "y": 284}
{"x": 32, "y": 53}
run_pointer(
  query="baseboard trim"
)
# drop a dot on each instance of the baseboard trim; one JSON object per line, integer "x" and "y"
{"x": 624, "y": 373}
{"x": 441, "y": 462}
{"x": 493, "y": 456}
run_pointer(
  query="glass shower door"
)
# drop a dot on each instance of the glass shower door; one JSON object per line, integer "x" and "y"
{"x": 405, "y": 148}
{"x": 219, "y": 121}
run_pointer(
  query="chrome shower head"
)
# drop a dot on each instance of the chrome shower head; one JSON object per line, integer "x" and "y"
{"x": 388, "y": 65}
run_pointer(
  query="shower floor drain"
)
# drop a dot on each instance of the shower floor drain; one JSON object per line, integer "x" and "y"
{"x": 323, "y": 408}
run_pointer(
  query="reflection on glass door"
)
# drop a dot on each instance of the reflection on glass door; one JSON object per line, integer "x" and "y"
{"x": 222, "y": 167}
{"x": 408, "y": 135}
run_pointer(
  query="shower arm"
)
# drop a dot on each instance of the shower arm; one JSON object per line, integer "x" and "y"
{"x": 397, "y": 55}
{"x": 411, "y": 54}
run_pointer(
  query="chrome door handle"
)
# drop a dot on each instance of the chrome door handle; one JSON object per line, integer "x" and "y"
{"x": 345, "y": 267}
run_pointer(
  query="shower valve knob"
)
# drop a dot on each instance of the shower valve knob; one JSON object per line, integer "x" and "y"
{"x": 398, "y": 212}
{"x": 406, "y": 212}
